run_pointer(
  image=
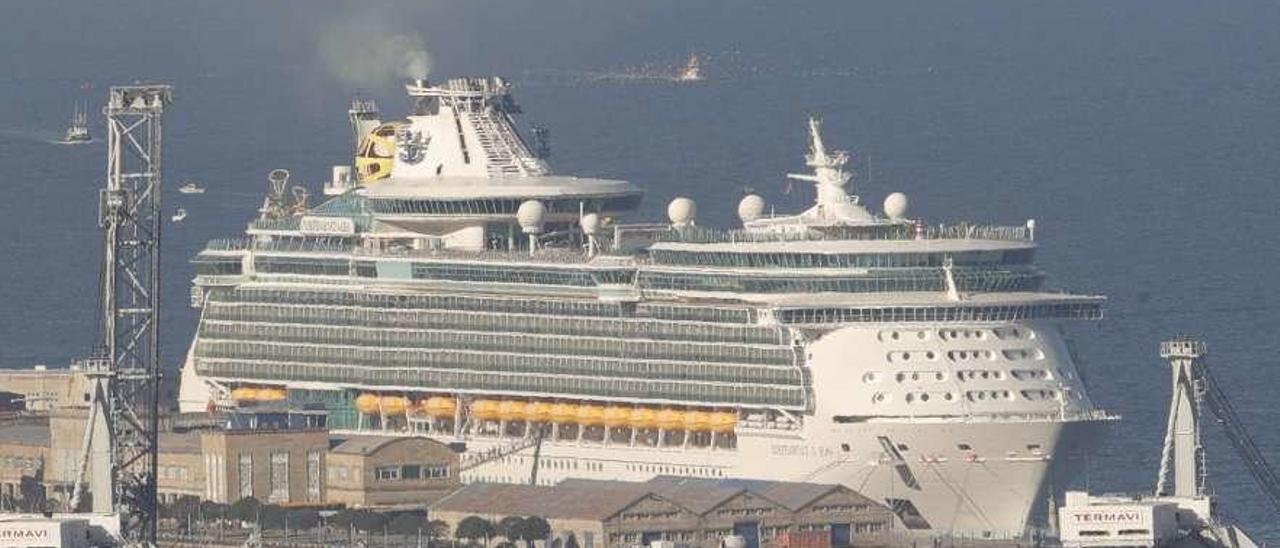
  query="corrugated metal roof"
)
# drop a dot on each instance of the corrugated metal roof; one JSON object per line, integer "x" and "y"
{"x": 25, "y": 434}
{"x": 595, "y": 500}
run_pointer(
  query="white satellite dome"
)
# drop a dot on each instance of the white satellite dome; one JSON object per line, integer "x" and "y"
{"x": 681, "y": 211}
{"x": 590, "y": 223}
{"x": 895, "y": 205}
{"x": 750, "y": 208}
{"x": 530, "y": 216}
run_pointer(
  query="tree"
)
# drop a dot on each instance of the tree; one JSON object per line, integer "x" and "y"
{"x": 407, "y": 523}
{"x": 245, "y": 509}
{"x": 369, "y": 521}
{"x": 510, "y": 527}
{"x": 435, "y": 529}
{"x": 473, "y": 528}
{"x": 304, "y": 518}
{"x": 212, "y": 512}
{"x": 534, "y": 528}
{"x": 271, "y": 516}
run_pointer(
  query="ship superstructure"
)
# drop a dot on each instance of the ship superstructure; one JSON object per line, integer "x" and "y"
{"x": 454, "y": 287}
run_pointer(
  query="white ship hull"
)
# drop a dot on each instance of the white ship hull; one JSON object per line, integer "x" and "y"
{"x": 977, "y": 469}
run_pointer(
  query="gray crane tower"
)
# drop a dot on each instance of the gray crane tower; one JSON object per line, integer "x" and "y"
{"x": 120, "y": 439}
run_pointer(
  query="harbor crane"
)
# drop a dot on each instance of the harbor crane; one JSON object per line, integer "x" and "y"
{"x": 1182, "y": 467}
{"x": 119, "y": 457}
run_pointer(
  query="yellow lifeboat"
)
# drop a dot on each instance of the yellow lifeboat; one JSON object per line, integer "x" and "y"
{"x": 440, "y": 406}
{"x": 669, "y": 419}
{"x": 511, "y": 410}
{"x": 564, "y": 412}
{"x": 643, "y": 417}
{"x": 485, "y": 409}
{"x": 697, "y": 421}
{"x": 394, "y": 405}
{"x": 538, "y": 412}
{"x": 272, "y": 394}
{"x": 367, "y": 403}
{"x": 617, "y": 416}
{"x": 244, "y": 393}
{"x": 723, "y": 422}
{"x": 590, "y": 415}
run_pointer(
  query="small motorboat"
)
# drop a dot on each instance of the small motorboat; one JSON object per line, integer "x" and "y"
{"x": 191, "y": 188}
{"x": 179, "y": 215}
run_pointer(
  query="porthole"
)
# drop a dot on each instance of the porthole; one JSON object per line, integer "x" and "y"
{"x": 930, "y": 355}
{"x": 939, "y": 376}
{"x": 894, "y": 335}
{"x": 915, "y": 376}
{"x": 948, "y": 396}
{"x": 921, "y": 335}
{"x": 924, "y": 396}
{"x": 909, "y": 397}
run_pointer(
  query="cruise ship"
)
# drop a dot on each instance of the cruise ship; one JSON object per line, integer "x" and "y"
{"x": 452, "y": 286}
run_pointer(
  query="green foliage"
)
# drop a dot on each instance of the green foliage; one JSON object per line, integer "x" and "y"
{"x": 510, "y": 527}
{"x": 271, "y": 516}
{"x": 245, "y": 509}
{"x": 408, "y": 523}
{"x": 473, "y": 528}
{"x": 369, "y": 521}
{"x": 303, "y": 518}
{"x": 534, "y": 528}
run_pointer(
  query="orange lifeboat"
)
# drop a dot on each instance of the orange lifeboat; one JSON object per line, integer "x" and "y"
{"x": 616, "y": 416}
{"x": 244, "y": 393}
{"x": 512, "y": 410}
{"x": 669, "y": 419}
{"x": 697, "y": 421}
{"x": 590, "y": 415}
{"x": 272, "y": 394}
{"x": 367, "y": 403}
{"x": 723, "y": 422}
{"x": 394, "y": 405}
{"x": 643, "y": 417}
{"x": 564, "y": 412}
{"x": 485, "y": 409}
{"x": 440, "y": 406}
{"x": 538, "y": 412}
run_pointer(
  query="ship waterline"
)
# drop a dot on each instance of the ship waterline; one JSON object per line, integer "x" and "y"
{"x": 456, "y": 289}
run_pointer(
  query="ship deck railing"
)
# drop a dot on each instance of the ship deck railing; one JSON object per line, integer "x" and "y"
{"x": 885, "y": 231}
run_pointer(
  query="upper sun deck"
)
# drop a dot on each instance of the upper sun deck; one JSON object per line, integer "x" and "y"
{"x": 472, "y": 188}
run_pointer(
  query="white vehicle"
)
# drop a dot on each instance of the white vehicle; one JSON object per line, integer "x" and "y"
{"x": 456, "y": 288}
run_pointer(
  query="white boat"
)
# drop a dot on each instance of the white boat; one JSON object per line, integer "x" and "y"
{"x": 179, "y": 215}
{"x": 78, "y": 131}
{"x": 456, "y": 288}
{"x": 692, "y": 71}
{"x": 191, "y": 188}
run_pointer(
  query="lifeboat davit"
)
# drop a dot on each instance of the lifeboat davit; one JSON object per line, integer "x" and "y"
{"x": 485, "y": 409}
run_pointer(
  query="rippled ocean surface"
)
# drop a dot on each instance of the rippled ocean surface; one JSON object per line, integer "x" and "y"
{"x": 1143, "y": 137}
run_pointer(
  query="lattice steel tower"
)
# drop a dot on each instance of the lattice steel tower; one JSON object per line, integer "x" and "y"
{"x": 121, "y": 437}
